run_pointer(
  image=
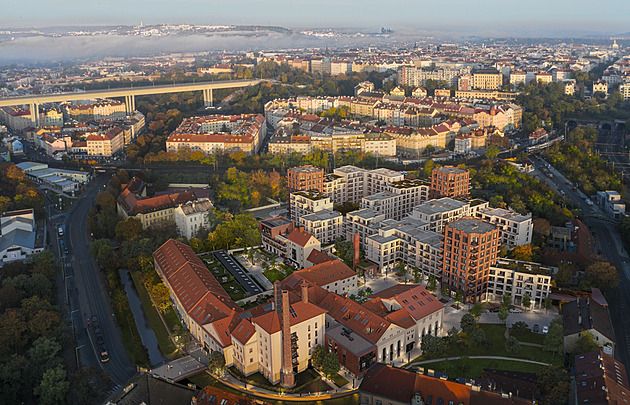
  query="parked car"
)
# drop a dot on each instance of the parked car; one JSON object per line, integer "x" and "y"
{"x": 94, "y": 321}
{"x": 545, "y": 329}
{"x": 494, "y": 310}
{"x": 100, "y": 341}
{"x": 536, "y": 328}
{"x": 515, "y": 310}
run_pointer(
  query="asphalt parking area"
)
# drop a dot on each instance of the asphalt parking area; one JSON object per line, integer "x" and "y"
{"x": 240, "y": 275}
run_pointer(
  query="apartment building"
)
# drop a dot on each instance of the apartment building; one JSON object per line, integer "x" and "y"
{"x": 299, "y": 245}
{"x": 305, "y": 178}
{"x": 398, "y": 199}
{"x": 107, "y": 143}
{"x": 273, "y": 233}
{"x": 407, "y": 241}
{"x": 192, "y": 217}
{"x": 275, "y": 339}
{"x": 449, "y": 181}
{"x": 325, "y": 225}
{"x": 517, "y": 77}
{"x": 111, "y": 110}
{"x": 332, "y": 275}
{"x": 353, "y": 179}
{"x": 132, "y": 202}
{"x": 364, "y": 222}
{"x": 219, "y": 133}
{"x": 519, "y": 278}
{"x": 487, "y": 79}
{"x": 470, "y": 248}
{"x": 303, "y": 203}
{"x": 514, "y": 229}
{"x": 438, "y": 212}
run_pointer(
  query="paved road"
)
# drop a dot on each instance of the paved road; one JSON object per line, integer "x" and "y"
{"x": 609, "y": 243}
{"x": 476, "y": 357}
{"x": 238, "y": 272}
{"x": 88, "y": 295}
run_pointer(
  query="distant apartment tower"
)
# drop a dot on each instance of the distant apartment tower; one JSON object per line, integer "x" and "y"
{"x": 449, "y": 181}
{"x": 470, "y": 248}
{"x": 305, "y": 178}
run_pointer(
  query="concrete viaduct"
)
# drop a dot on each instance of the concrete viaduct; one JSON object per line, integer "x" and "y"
{"x": 129, "y": 93}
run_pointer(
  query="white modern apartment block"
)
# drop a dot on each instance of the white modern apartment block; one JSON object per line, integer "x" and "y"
{"x": 303, "y": 203}
{"x": 437, "y": 213}
{"x": 515, "y": 229}
{"x": 326, "y": 226}
{"x": 353, "y": 179}
{"x": 365, "y": 222}
{"x": 191, "y": 217}
{"x": 408, "y": 241}
{"x": 398, "y": 199}
{"x": 520, "y": 278}
{"x": 377, "y": 180}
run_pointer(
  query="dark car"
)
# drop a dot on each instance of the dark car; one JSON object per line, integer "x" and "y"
{"x": 100, "y": 341}
{"x": 94, "y": 321}
{"x": 536, "y": 328}
{"x": 97, "y": 331}
{"x": 494, "y": 309}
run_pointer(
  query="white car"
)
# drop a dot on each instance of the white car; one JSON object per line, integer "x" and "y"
{"x": 545, "y": 329}
{"x": 515, "y": 310}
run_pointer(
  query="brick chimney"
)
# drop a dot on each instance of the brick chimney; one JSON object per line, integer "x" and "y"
{"x": 287, "y": 377}
{"x": 277, "y": 298}
{"x": 304, "y": 291}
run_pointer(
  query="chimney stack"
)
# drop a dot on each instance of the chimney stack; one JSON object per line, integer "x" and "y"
{"x": 304, "y": 291}
{"x": 277, "y": 298}
{"x": 287, "y": 377}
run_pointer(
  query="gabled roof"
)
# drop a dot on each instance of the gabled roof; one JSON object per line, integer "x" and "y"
{"x": 299, "y": 312}
{"x": 244, "y": 331}
{"x": 300, "y": 237}
{"x": 600, "y": 379}
{"x": 344, "y": 310}
{"x": 327, "y": 272}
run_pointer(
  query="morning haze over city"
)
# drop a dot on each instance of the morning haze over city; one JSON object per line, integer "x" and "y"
{"x": 334, "y": 203}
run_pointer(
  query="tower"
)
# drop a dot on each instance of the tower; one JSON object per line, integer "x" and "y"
{"x": 287, "y": 377}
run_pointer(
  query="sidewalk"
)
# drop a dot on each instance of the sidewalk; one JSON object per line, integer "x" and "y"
{"x": 476, "y": 357}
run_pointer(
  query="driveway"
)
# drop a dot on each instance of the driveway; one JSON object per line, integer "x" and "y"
{"x": 238, "y": 272}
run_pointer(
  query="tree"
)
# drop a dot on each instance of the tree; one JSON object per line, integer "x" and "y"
{"x": 129, "y": 229}
{"x": 368, "y": 291}
{"x": 216, "y": 362}
{"x": 445, "y": 291}
{"x": 330, "y": 365}
{"x": 527, "y": 301}
{"x": 458, "y": 297}
{"x": 523, "y": 252}
{"x": 492, "y": 151}
{"x": 432, "y": 283}
{"x": 547, "y": 303}
{"x": 503, "y": 314}
{"x": 161, "y": 296}
{"x": 478, "y": 337}
{"x": 417, "y": 275}
{"x": 600, "y": 274}
{"x": 518, "y": 328}
{"x": 512, "y": 346}
{"x": 432, "y": 346}
{"x": 553, "y": 385}
{"x": 554, "y": 340}
{"x": 317, "y": 357}
{"x": 452, "y": 337}
{"x": 43, "y": 355}
{"x": 584, "y": 344}
{"x": 476, "y": 310}
{"x": 506, "y": 301}
{"x": 468, "y": 323}
{"x": 54, "y": 387}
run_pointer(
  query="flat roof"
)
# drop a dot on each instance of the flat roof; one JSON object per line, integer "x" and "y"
{"x": 439, "y": 205}
{"x": 471, "y": 225}
{"x": 274, "y": 222}
{"x": 357, "y": 346}
{"x": 507, "y": 214}
{"x": 321, "y": 215}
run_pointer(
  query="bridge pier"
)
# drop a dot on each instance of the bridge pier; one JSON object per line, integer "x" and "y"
{"x": 34, "y": 109}
{"x": 130, "y": 104}
{"x": 207, "y": 97}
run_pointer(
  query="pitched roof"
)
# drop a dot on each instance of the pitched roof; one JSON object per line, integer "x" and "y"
{"x": 327, "y": 272}
{"x": 600, "y": 379}
{"x": 318, "y": 257}
{"x": 300, "y": 312}
{"x": 300, "y": 237}
{"x": 415, "y": 299}
{"x": 344, "y": 310}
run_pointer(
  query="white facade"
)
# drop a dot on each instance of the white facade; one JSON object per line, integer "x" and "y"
{"x": 437, "y": 213}
{"x": 303, "y": 203}
{"x": 519, "y": 278}
{"x": 326, "y": 226}
{"x": 191, "y": 217}
{"x": 515, "y": 229}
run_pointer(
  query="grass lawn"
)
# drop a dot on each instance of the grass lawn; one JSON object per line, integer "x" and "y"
{"x": 339, "y": 380}
{"x": 531, "y": 337}
{"x": 205, "y": 379}
{"x": 172, "y": 319}
{"x": 66, "y": 202}
{"x": 495, "y": 334}
{"x": 167, "y": 347}
{"x": 472, "y": 368}
{"x": 273, "y": 275}
{"x": 234, "y": 289}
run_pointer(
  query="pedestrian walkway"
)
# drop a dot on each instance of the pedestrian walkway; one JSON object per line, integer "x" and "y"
{"x": 179, "y": 369}
{"x": 417, "y": 363}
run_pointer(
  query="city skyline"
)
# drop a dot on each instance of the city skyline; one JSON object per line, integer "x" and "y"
{"x": 540, "y": 18}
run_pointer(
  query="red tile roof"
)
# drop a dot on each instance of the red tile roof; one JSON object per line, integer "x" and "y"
{"x": 300, "y": 237}
{"x": 327, "y": 272}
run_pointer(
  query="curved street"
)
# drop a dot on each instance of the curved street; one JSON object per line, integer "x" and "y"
{"x": 87, "y": 295}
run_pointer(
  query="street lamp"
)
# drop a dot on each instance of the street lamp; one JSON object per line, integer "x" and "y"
{"x": 76, "y": 352}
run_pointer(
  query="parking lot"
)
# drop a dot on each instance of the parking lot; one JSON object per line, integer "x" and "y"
{"x": 238, "y": 272}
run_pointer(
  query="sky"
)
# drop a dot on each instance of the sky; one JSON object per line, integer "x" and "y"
{"x": 529, "y": 17}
